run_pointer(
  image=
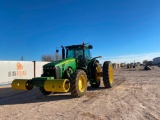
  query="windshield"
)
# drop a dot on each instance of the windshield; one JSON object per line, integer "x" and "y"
{"x": 87, "y": 53}
{"x": 74, "y": 53}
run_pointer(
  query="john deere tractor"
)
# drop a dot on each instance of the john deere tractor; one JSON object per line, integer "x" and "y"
{"x": 70, "y": 74}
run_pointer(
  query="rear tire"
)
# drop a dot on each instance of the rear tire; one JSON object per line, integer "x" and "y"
{"x": 108, "y": 75}
{"x": 44, "y": 92}
{"x": 95, "y": 70}
{"x": 78, "y": 86}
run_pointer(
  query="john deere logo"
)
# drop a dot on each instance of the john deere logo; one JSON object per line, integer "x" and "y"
{"x": 19, "y": 66}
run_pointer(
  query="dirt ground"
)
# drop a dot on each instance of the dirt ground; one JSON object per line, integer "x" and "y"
{"x": 134, "y": 96}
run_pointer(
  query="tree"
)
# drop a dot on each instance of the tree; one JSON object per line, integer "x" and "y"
{"x": 145, "y": 62}
{"x": 48, "y": 58}
{"x": 57, "y": 56}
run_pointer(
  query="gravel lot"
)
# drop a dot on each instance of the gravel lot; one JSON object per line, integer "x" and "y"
{"x": 135, "y": 96}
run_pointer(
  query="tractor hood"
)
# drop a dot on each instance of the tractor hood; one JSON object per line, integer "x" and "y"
{"x": 60, "y": 62}
{"x": 57, "y": 68}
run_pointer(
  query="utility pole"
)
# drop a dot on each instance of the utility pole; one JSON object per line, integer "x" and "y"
{"x": 57, "y": 55}
{"x": 22, "y": 58}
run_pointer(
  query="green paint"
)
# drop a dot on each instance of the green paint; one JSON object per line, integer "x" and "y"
{"x": 58, "y": 68}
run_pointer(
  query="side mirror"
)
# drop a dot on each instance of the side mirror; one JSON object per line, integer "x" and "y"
{"x": 90, "y": 47}
{"x": 57, "y": 51}
{"x": 97, "y": 57}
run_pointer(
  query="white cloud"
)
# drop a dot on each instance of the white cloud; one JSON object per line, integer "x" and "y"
{"x": 131, "y": 58}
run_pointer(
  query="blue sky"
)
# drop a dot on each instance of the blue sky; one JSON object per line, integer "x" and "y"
{"x": 119, "y": 30}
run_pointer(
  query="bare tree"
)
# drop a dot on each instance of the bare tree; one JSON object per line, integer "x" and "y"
{"x": 48, "y": 58}
{"x": 57, "y": 56}
{"x": 145, "y": 62}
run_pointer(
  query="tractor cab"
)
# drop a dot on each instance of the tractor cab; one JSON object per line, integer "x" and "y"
{"x": 80, "y": 52}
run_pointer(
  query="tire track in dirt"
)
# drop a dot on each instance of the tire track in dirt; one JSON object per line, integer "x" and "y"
{"x": 95, "y": 95}
{"x": 19, "y": 97}
{"x": 135, "y": 95}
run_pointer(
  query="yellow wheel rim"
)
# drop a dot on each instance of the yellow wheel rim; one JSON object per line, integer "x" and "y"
{"x": 98, "y": 70}
{"x": 110, "y": 74}
{"x": 82, "y": 83}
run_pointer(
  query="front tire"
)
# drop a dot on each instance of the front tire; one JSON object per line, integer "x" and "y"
{"x": 108, "y": 75}
{"x": 78, "y": 83}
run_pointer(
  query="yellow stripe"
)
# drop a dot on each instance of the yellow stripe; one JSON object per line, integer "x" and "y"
{"x": 67, "y": 61}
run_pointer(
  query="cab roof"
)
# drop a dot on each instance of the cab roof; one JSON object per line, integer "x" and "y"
{"x": 79, "y": 46}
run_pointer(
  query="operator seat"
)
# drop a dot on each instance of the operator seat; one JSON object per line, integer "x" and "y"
{"x": 81, "y": 61}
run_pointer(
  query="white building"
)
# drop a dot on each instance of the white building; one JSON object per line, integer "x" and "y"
{"x": 156, "y": 60}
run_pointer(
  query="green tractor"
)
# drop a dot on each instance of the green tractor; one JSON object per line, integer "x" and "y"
{"x": 70, "y": 74}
